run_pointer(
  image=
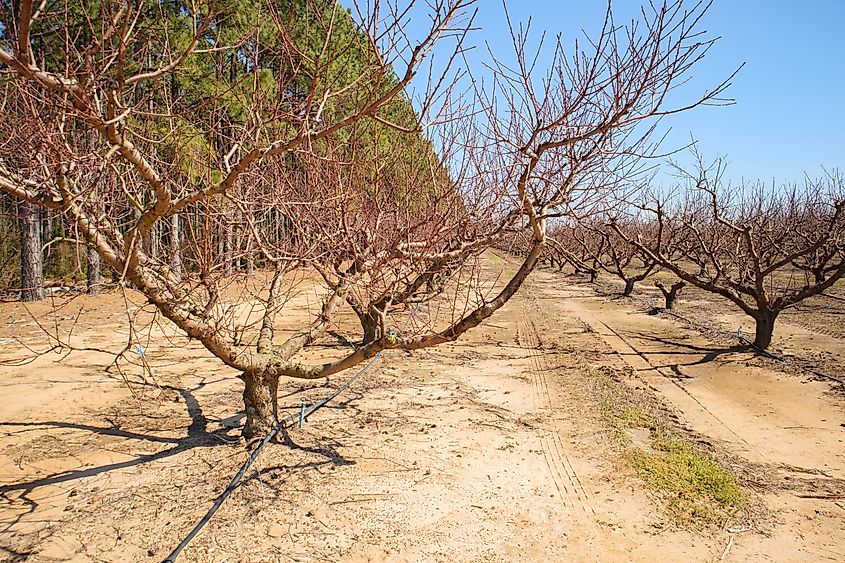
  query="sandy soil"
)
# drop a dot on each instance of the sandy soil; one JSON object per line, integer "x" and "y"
{"x": 489, "y": 449}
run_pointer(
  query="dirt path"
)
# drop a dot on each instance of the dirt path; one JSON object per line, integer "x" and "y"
{"x": 489, "y": 449}
{"x": 764, "y": 415}
{"x": 791, "y": 425}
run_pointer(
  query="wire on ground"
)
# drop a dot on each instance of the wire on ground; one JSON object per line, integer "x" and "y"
{"x": 283, "y": 423}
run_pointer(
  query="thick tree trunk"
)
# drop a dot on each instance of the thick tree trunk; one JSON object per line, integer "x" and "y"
{"x": 93, "y": 272}
{"x": 369, "y": 325}
{"x": 629, "y": 287}
{"x": 175, "y": 247}
{"x": 261, "y": 403}
{"x": 764, "y": 329}
{"x": 32, "y": 274}
{"x": 670, "y": 294}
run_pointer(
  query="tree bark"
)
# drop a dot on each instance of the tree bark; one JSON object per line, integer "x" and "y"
{"x": 670, "y": 294}
{"x": 155, "y": 240}
{"x": 764, "y": 329}
{"x": 261, "y": 401}
{"x": 32, "y": 273}
{"x": 370, "y": 326}
{"x": 93, "y": 272}
{"x": 369, "y": 323}
{"x": 175, "y": 247}
{"x": 249, "y": 264}
{"x": 629, "y": 287}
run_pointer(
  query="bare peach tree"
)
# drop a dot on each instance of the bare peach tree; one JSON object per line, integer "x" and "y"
{"x": 563, "y": 249}
{"x": 241, "y": 147}
{"x": 671, "y": 293}
{"x": 764, "y": 248}
{"x": 608, "y": 251}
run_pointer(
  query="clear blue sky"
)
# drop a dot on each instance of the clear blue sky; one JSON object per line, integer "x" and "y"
{"x": 789, "y": 117}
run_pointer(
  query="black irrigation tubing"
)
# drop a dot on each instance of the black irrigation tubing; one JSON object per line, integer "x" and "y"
{"x": 759, "y": 350}
{"x": 283, "y": 423}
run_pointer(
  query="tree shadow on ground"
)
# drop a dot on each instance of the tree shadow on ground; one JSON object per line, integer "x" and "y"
{"x": 13, "y": 556}
{"x": 327, "y": 451}
{"x": 197, "y": 436}
{"x": 704, "y": 354}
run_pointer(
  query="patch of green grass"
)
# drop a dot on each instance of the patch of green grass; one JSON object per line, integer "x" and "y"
{"x": 696, "y": 488}
{"x": 694, "y": 481}
{"x": 636, "y": 417}
{"x": 617, "y": 407}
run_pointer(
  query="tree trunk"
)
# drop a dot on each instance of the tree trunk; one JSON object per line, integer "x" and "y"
{"x": 370, "y": 326}
{"x": 93, "y": 272}
{"x": 670, "y": 294}
{"x": 147, "y": 244}
{"x": 671, "y": 298}
{"x": 155, "y": 240}
{"x": 261, "y": 403}
{"x": 32, "y": 273}
{"x": 764, "y": 329}
{"x": 175, "y": 247}
{"x": 249, "y": 264}
{"x": 629, "y": 287}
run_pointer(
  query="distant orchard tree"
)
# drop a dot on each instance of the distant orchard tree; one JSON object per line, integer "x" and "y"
{"x": 764, "y": 248}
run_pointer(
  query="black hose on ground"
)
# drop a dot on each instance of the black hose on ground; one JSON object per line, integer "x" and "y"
{"x": 283, "y": 423}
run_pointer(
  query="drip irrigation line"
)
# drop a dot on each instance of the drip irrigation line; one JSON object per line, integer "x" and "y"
{"x": 784, "y": 359}
{"x": 762, "y": 351}
{"x": 283, "y": 423}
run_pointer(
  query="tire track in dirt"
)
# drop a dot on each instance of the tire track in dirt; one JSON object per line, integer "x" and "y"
{"x": 566, "y": 479}
{"x": 658, "y": 378}
{"x": 698, "y": 412}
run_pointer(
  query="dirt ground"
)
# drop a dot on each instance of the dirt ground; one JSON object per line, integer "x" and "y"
{"x": 494, "y": 448}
